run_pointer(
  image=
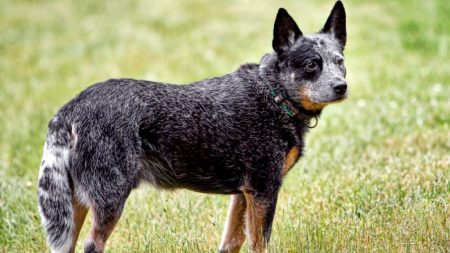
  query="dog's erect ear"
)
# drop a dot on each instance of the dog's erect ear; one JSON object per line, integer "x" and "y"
{"x": 285, "y": 32}
{"x": 336, "y": 23}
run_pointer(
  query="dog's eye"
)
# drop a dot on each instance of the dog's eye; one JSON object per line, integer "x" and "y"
{"x": 311, "y": 67}
{"x": 340, "y": 61}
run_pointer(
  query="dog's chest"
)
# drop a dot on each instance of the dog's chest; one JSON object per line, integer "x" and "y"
{"x": 291, "y": 158}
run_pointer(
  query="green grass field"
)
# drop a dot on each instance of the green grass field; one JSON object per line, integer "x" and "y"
{"x": 376, "y": 174}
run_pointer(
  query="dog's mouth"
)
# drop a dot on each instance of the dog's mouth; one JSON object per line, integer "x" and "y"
{"x": 314, "y": 105}
{"x": 315, "y": 102}
{"x": 339, "y": 98}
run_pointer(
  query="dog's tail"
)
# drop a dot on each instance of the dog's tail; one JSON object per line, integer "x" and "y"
{"x": 55, "y": 191}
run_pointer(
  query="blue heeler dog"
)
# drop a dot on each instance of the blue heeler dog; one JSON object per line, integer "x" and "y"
{"x": 237, "y": 134}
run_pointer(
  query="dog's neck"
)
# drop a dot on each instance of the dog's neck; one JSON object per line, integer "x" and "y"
{"x": 279, "y": 95}
{"x": 294, "y": 110}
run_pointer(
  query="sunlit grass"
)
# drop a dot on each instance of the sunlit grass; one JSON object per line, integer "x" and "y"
{"x": 375, "y": 177}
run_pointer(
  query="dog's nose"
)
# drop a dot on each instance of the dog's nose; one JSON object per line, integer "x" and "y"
{"x": 340, "y": 88}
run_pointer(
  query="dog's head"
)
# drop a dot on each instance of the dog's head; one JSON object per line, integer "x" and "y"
{"x": 311, "y": 67}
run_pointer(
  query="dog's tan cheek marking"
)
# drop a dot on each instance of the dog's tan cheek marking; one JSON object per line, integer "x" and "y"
{"x": 311, "y": 106}
{"x": 233, "y": 235}
{"x": 306, "y": 101}
{"x": 254, "y": 222}
{"x": 290, "y": 160}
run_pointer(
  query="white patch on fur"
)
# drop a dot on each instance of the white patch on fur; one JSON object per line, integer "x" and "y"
{"x": 74, "y": 137}
{"x": 43, "y": 220}
{"x": 43, "y": 161}
{"x": 291, "y": 37}
{"x": 43, "y": 194}
{"x": 65, "y": 248}
{"x": 50, "y": 159}
{"x": 82, "y": 196}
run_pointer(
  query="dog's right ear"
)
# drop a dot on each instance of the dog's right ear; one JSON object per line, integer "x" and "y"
{"x": 285, "y": 32}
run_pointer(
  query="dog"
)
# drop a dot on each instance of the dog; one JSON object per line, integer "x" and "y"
{"x": 238, "y": 134}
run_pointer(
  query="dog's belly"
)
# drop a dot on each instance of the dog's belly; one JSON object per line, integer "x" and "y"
{"x": 214, "y": 176}
{"x": 208, "y": 183}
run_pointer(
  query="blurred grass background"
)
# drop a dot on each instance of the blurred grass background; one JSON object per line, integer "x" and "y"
{"x": 375, "y": 177}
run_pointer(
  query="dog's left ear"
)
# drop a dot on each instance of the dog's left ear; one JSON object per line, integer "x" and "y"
{"x": 336, "y": 23}
{"x": 285, "y": 32}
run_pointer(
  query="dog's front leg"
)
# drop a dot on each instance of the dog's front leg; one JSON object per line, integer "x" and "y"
{"x": 259, "y": 217}
{"x": 233, "y": 234}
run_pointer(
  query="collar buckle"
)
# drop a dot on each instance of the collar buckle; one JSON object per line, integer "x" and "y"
{"x": 308, "y": 125}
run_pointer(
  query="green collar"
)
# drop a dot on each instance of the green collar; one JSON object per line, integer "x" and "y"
{"x": 286, "y": 106}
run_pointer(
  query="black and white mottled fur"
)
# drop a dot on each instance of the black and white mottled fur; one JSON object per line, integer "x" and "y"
{"x": 223, "y": 135}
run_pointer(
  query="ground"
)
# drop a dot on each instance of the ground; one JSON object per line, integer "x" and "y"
{"x": 375, "y": 177}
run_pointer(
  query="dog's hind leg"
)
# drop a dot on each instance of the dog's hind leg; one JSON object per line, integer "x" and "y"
{"x": 104, "y": 221}
{"x": 233, "y": 235}
{"x": 107, "y": 198}
{"x": 79, "y": 215}
{"x": 107, "y": 169}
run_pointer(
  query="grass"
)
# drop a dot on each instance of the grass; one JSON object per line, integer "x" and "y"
{"x": 376, "y": 174}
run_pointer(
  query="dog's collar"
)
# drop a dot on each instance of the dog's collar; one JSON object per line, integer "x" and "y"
{"x": 284, "y": 104}
{"x": 292, "y": 111}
